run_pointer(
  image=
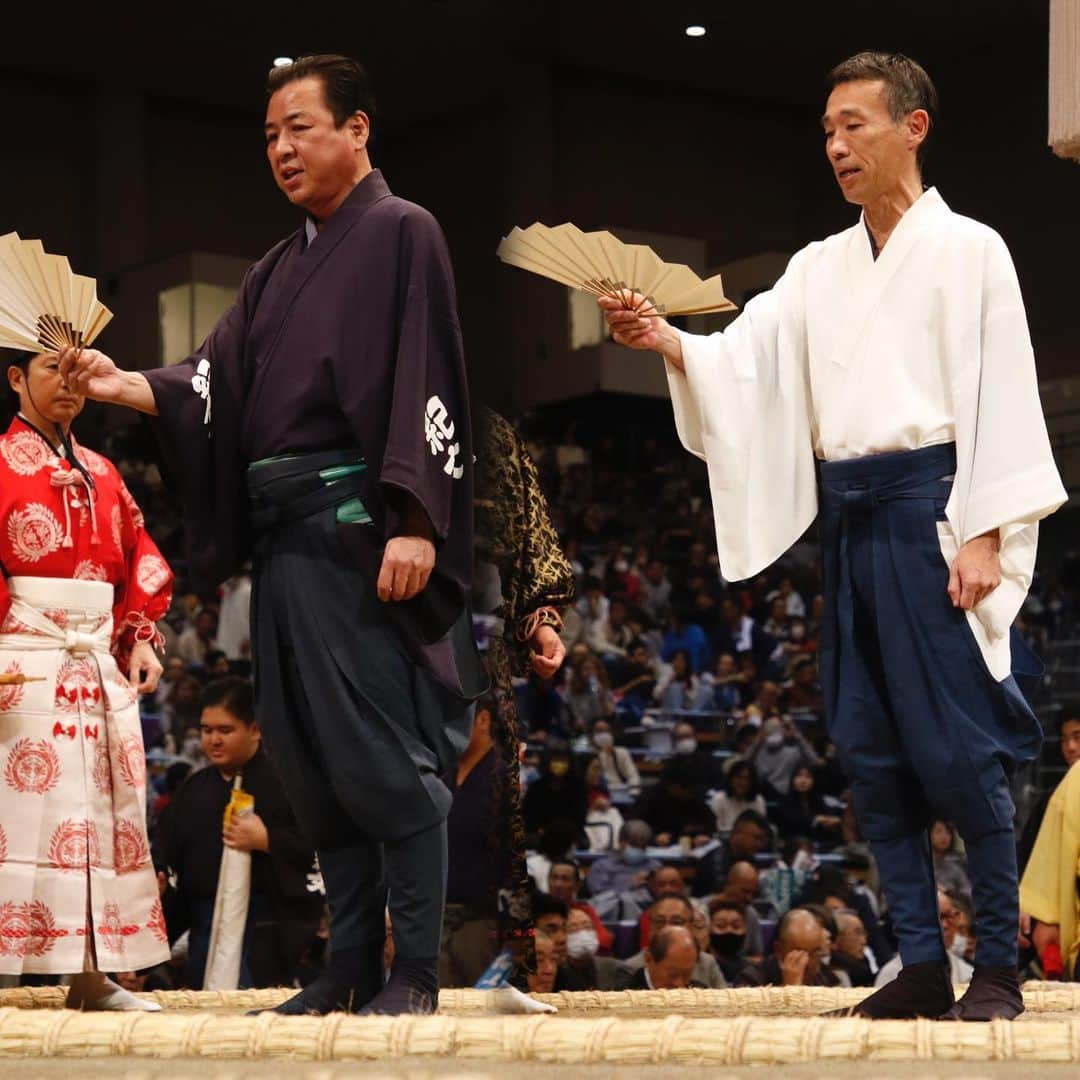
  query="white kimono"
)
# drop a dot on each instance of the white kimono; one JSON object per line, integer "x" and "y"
{"x": 847, "y": 356}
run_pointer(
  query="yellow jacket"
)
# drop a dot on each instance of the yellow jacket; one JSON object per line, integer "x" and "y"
{"x": 1048, "y": 890}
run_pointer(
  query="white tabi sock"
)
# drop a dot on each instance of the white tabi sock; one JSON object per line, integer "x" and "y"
{"x": 509, "y": 999}
{"x": 93, "y": 992}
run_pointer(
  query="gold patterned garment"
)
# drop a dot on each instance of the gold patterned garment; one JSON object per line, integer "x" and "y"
{"x": 524, "y": 579}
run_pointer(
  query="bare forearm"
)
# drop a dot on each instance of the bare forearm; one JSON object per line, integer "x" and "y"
{"x": 670, "y": 346}
{"x": 136, "y": 393}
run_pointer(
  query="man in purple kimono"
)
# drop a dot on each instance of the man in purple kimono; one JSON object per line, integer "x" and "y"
{"x": 323, "y": 430}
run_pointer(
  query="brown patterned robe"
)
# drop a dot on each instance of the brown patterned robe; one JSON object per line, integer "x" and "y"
{"x": 516, "y": 539}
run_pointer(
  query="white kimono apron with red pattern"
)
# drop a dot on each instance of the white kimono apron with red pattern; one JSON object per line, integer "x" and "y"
{"x": 81, "y": 581}
{"x": 77, "y": 887}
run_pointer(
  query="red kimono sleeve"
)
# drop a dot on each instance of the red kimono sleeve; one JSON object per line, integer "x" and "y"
{"x": 146, "y": 593}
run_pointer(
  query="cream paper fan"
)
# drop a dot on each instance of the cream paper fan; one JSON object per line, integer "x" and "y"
{"x": 43, "y": 305}
{"x": 603, "y": 265}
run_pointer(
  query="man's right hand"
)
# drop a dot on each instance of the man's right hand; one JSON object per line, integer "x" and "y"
{"x": 96, "y": 376}
{"x": 638, "y": 331}
{"x": 794, "y": 967}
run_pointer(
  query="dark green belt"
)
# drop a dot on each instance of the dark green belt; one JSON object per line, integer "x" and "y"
{"x": 293, "y": 486}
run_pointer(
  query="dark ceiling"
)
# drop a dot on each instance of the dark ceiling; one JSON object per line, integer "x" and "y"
{"x": 431, "y": 58}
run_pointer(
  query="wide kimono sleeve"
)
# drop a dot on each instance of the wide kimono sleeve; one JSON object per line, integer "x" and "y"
{"x": 429, "y": 447}
{"x": 742, "y": 404}
{"x": 198, "y": 426}
{"x": 1006, "y": 479}
{"x": 146, "y": 592}
{"x": 1013, "y": 476}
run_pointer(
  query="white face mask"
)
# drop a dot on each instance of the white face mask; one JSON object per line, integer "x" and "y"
{"x": 959, "y": 945}
{"x": 604, "y": 740}
{"x": 582, "y": 943}
{"x": 685, "y": 746}
{"x": 774, "y": 739}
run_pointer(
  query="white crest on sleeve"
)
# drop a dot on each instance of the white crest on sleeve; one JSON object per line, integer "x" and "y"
{"x": 151, "y": 574}
{"x": 200, "y": 383}
{"x": 24, "y": 452}
{"x": 34, "y": 532}
{"x": 439, "y": 430}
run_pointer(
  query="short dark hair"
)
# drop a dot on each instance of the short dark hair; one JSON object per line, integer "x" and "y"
{"x": 546, "y": 904}
{"x": 345, "y": 84}
{"x": 232, "y": 694}
{"x": 751, "y": 817}
{"x": 1068, "y": 718}
{"x": 907, "y": 86}
{"x": 729, "y": 780}
{"x": 718, "y": 903}
{"x": 680, "y": 899}
{"x": 566, "y": 860}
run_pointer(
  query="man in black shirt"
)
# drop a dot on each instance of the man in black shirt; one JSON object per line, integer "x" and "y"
{"x": 285, "y": 904}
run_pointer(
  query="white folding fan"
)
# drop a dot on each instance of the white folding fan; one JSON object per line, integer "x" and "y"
{"x": 43, "y": 305}
{"x": 601, "y": 264}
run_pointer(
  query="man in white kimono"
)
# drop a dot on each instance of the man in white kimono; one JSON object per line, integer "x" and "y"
{"x": 897, "y": 355}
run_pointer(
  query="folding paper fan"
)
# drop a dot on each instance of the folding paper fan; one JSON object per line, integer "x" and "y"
{"x": 43, "y": 305}
{"x": 603, "y": 265}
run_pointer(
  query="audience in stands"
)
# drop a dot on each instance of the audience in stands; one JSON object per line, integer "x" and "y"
{"x": 740, "y": 793}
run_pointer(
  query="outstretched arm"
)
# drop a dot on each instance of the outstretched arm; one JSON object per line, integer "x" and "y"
{"x": 94, "y": 374}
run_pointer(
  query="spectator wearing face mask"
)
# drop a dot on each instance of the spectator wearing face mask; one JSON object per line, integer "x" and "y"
{"x": 564, "y": 880}
{"x": 618, "y": 766}
{"x": 950, "y": 915}
{"x": 626, "y": 868}
{"x": 779, "y": 750}
{"x": 727, "y": 936}
{"x": 584, "y": 969}
{"x": 692, "y": 761}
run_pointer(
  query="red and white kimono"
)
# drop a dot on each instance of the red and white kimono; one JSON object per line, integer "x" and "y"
{"x": 81, "y": 582}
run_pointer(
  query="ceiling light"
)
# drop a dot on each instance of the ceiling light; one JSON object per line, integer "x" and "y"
{"x": 695, "y": 31}
{"x": 285, "y": 61}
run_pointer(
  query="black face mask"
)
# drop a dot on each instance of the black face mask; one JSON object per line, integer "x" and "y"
{"x": 727, "y": 944}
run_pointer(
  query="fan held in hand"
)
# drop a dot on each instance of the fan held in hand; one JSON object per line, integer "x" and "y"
{"x": 601, "y": 264}
{"x": 43, "y": 305}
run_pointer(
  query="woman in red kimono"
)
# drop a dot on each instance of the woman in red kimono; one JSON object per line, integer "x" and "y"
{"x": 81, "y": 589}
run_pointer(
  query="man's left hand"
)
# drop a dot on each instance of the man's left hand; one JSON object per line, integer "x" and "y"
{"x": 406, "y": 566}
{"x": 976, "y": 572}
{"x": 145, "y": 668}
{"x": 246, "y": 832}
{"x": 548, "y": 651}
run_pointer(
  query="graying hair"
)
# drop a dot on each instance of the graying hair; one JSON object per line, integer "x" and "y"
{"x": 907, "y": 86}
